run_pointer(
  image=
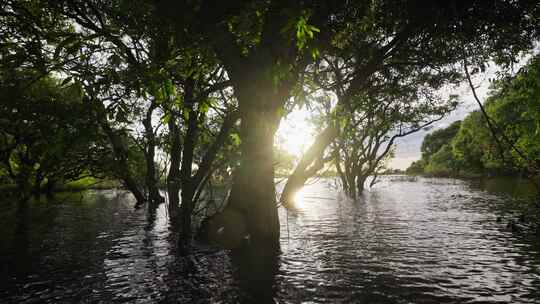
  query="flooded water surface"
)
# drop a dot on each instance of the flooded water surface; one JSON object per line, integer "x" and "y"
{"x": 403, "y": 241}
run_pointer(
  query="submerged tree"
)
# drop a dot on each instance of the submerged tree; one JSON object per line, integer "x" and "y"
{"x": 369, "y": 135}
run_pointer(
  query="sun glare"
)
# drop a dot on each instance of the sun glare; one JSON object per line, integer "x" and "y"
{"x": 300, "y": 198}
{"x": 295, "y": 134}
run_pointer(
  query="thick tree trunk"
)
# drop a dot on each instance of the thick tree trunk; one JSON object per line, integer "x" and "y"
{"x": 253, "y": 192}
{"x": 249, "y": 224}
{"x": 262, "y": 83}
{"x": 309, "y": 165}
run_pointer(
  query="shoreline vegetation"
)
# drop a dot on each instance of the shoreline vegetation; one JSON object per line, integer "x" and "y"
{"x": 87, "y": 183}
{"x": 500, "y": 140}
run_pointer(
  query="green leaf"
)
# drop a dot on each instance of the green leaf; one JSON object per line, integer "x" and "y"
{"x": 235, "y": 139}
{"x": 315, "y": 53}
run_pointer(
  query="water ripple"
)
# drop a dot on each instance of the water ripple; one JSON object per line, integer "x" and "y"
{"x": 428, "y": 241}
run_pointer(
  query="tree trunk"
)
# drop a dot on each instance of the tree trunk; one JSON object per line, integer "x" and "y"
{"x": 374, "y": 179}
{"x": 186, "y": 213}
{"x": 151, "y": 178}
{"x": 188, "y": 188}
{"x": 350, "y": 177}
{"x": 133, "y": 187}
{"x": 253, "y": 192}
{"x": 120, "y": 151}
{"x": 22, "y": 180}
{"x": 309, "y": 165}
{"x": 201, "y": 177}
{"x": 341, "y": 173}
{"x": 121, "y": 165}
{"x": 352, "y": 188}
{"x": 49, "y": 186}
{"x": 360, "y": 181}
{"x": 37, "y": 185}
{"x": 173, "y": 177}
{"x": 261, "y": 92}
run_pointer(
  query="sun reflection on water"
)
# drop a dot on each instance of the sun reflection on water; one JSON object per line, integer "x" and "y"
{"x": 300, "y": 198}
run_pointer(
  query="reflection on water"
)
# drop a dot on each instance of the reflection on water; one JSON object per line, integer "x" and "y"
{"x": 100, "y": 250}
{"x": 428, "y": 241}
{"x": 520, "y": 188}
{"x": 424, "y": 241}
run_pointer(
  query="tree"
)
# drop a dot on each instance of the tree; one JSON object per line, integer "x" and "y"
{"x": 443, "y": 162}
{"x": 46, "y": 31}
{"x": 253, "y": 41}
{"x": 514, "y": 106}
{"x": 416, "y": 167}
{"x": 369, "y": 134}
{"x": 47, "y": 135}
{"x": 434, "y": 141}
{"x": 472, "y": 142}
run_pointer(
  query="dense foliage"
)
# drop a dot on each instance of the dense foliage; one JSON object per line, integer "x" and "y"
{"x": 47, "y": 135}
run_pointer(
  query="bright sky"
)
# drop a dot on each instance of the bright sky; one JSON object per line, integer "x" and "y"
{"x": 295, "y": 134}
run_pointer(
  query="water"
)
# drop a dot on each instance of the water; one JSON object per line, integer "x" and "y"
{"x": 423, "y": 241}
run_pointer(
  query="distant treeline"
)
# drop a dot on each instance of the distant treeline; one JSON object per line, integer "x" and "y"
{"x": 512, "y": 147}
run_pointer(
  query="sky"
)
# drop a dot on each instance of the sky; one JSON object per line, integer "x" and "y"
{"x": 295, "y": 134}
